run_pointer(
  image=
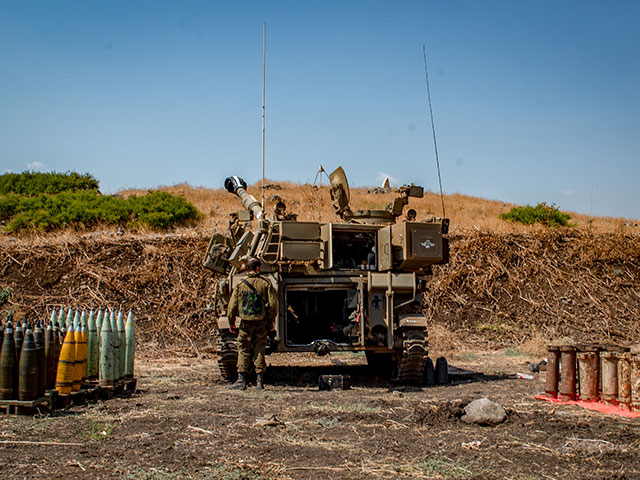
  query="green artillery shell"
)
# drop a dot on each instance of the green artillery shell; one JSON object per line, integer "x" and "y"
{"x": 85, "y": 352}
{"x": 130, "y": 333}
{"x": 115, "y": 345}
{"x": 99, "y": 325}
{"x": 54, "y": 316}
{"x": 18, "y": 338}
{"x": 28, "y": 369}
{"x": 92, "y": 346}
{"x": 38, "y": 338}
{"x": 61, "y": 316}
{"x": 8, "y": 366}
{"x": 50, "y": 357}
{"x": 66, "y": 364}
{"x": 106, "y": 353}
{"x": 123, "y": 345}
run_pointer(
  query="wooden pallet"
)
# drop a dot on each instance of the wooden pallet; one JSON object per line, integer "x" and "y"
{"x": 20, "y": 407}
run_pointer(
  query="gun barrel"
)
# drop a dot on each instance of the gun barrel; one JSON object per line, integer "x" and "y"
{"x": 238, "y": 186}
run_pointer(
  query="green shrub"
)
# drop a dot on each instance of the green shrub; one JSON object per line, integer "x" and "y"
{"x": 34, "y": 183}
{"x": 162, "y": 210}
{"x": 158, "y": 210}
{"x": 548, "y": 215}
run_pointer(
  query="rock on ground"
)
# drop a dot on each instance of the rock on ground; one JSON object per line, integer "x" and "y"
{"x": 484, "y": 412}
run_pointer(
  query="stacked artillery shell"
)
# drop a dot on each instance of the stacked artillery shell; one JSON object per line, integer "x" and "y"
{"x": 106, "y": 369}
{"x": 99, "y": 325}
{"x": 78, "y": 370}
{"x": 8, "y": 366}
{"x": 28, "y": 369}
{"x": 50, "y": 359}
{"x": 54, "y": 316}
{"x": 122, "y": 360}
{"x": 83, "y": 318}
{"x": 92, "y": 347}
{"x": 115, "y": 345}
{"x": 18, "y": 338}
{"x": 66, "y": 364}
{"x": 130, "y": 333}
{"x": 38, "y": 338}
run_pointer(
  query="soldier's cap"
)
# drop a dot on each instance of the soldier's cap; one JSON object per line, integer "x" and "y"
{"x": 252, "y": 264}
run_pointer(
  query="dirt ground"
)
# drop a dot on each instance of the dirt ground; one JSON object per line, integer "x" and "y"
{"x": 184, "y": 423}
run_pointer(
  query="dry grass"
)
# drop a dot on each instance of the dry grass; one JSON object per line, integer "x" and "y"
{"x": 466, "y": 212}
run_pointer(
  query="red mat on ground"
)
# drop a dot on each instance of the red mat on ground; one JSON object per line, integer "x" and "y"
{"x": 596, "y": 406}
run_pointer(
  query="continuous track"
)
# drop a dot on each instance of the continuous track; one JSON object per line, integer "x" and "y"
{"x": 227, "y": 349}
{"x": 414, "y": 358}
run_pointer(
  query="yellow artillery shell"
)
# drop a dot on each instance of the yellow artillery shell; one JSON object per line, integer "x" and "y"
{"x": 66, "y": 364}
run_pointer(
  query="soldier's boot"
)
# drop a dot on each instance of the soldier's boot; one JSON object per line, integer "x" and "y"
{"x": 260, "y": 381}
{"x": 241, "y": 383}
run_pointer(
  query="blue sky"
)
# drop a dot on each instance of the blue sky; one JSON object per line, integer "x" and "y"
{"x": 533, "y": 101}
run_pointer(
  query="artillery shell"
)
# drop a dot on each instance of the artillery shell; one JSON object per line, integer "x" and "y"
{"x": 66, "y": 364}
{"x": 99, "y": 325}
{"x": 38, "y": 338}
{"x": 115, "y": 345}
{"x": 122, "y": 345}
{"x": 18, "y": 338}
{"x": 130, "y": 333}
{"x": 50, "y": 357}
{"x": 8, "y": 366}
{"x": 92, "y": 346}
{"x": 78, "y": 371}
{"x": 106, "y": 354}
{"x": 28, "y": 369}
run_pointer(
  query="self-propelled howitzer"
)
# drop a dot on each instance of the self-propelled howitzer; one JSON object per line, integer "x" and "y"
{"x": 351, "y": 285}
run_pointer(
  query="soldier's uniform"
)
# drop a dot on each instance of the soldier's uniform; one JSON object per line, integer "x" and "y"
{"x": 248, "y": 301}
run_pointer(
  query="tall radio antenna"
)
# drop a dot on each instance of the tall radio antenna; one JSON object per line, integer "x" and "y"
{"x": 264, "y": 57}
{"x": 433, "y": 127}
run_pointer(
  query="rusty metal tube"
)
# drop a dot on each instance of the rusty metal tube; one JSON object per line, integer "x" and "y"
{"x": 624, "y": 380}
{"x": 609, "y": 376}
{"x": 568, "y": 373}
{"x": 553, "y": 371}
{"x": 588, "y": 374}
{"x": 635, "y": 382}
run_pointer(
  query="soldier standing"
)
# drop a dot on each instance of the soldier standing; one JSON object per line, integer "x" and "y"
{"x": 255, "y": 302}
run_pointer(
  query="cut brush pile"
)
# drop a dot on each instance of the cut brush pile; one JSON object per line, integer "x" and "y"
{"x": 498, "y": 290}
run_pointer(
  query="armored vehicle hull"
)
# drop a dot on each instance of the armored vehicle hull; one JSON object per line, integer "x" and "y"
{"x": 352, "y": 285}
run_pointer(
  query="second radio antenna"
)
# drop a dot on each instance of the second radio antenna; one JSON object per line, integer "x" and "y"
{"x": 264, "y": 58}
{"x": 433, "y": 127}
